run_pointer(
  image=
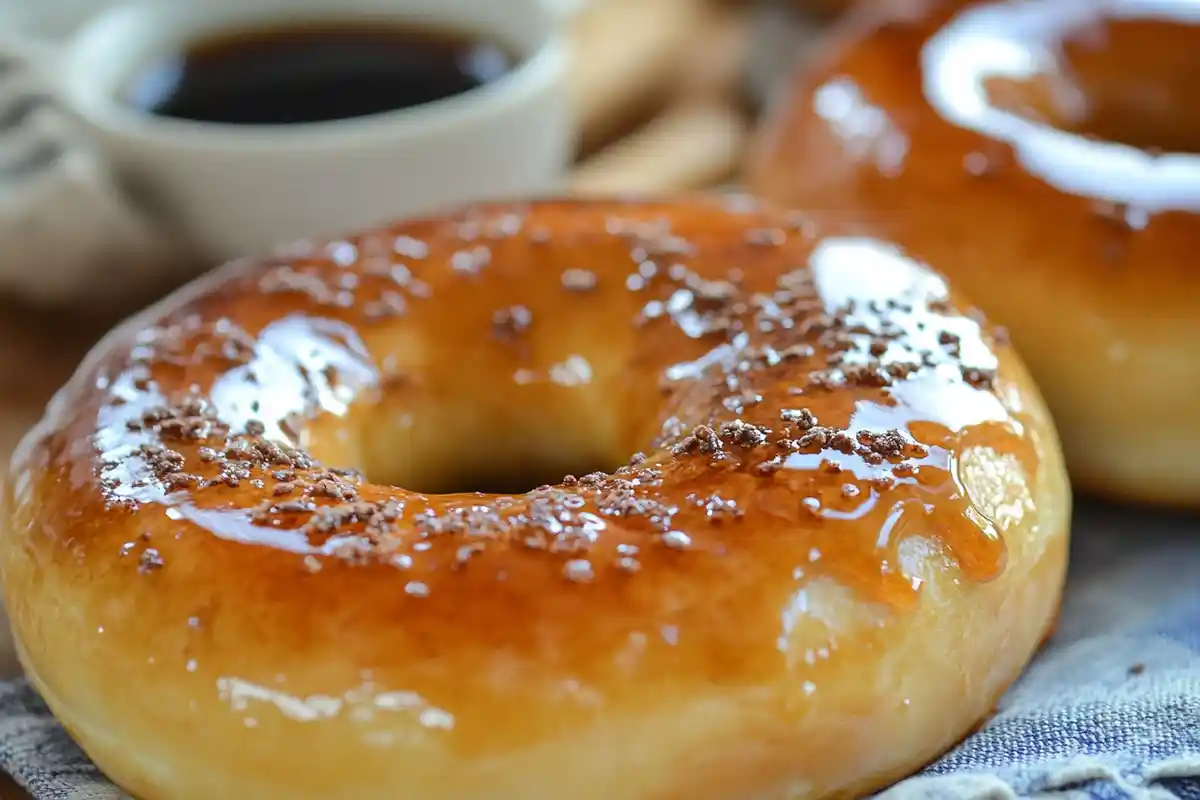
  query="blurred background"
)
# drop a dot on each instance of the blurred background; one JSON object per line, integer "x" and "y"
{"x": 665, "y": 94}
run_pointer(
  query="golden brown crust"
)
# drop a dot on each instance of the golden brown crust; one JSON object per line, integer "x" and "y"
{"x": 1009, "y": 145}
{"x": 841, "y": 465}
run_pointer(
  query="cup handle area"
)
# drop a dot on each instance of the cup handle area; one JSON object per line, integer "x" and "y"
{"x": 28, "y": 84}
{"x": 70, "y": 232}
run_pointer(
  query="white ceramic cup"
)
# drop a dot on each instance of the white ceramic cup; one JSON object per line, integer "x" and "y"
{"x": 229, "y": 190}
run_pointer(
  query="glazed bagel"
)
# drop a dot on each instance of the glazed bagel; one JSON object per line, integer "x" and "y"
{"x": 841, "y": 537}
{"x": 1040, "y": 154}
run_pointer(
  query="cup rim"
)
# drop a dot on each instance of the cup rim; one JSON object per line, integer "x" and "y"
{"x": 539, "y": 69}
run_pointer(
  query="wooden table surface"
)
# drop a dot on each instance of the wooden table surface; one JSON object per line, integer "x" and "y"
{"x": 9, "y": 789}
{"x": 38, "y": 352}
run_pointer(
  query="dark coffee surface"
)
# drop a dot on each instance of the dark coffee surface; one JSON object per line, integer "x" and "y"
{"x": 315, "y": 72}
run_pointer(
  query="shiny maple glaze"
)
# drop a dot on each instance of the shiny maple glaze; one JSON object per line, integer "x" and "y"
{"x": 803, "y": 404}
{"x": 1044, "y": 157}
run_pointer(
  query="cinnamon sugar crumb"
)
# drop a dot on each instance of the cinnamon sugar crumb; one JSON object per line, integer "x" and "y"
{"x": 627, "y": 564}
{"x": 416, "y": 589}
{"x": 769, "y": 467}
{"x": 510, "y": 323}
{"x": 472, "y": 261}
{"x": 979, "y": 378}
{"x": 802, "y": 418}
{"x": 888, "y": 444}
{"x": 743, "y": 434}
{"x": 149, "y": 561}
{"x": 703, "y": 439}
{"x": 676, "y": 540}
{"x": 818, "y": 437}
{"x": 766, "y": 237}
{"x": 579, "y": 570}
{"x": 466, "y": 552}
{"x": 842, "y": 442}
{"x": 334, "y": 489}
{"x": 579, "y": 280}
{"x": 291, "y": 425}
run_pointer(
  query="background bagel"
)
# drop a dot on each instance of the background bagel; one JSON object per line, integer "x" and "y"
{"x": 845, "y": 537}
{"x": 1042, "y": 195}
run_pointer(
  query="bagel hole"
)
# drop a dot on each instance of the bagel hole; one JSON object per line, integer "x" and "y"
{"x": 1132, "y": 81}
{"x": 454, "y": 450}
{"x": 509, "y": 474}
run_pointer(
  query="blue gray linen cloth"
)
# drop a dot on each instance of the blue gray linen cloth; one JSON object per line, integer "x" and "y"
{"x": 1109, "y": 709}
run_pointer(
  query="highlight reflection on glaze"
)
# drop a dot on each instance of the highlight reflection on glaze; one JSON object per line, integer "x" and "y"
{"x": 1021, "y": 41}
